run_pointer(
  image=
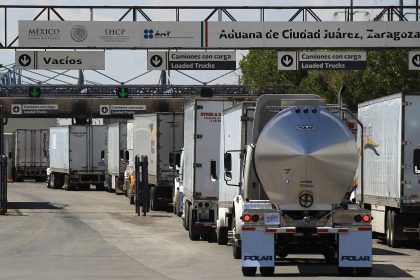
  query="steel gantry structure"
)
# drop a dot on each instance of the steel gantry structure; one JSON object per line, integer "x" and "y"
{"x": 11, "y": 14}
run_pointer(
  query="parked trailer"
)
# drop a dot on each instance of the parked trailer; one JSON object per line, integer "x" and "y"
{"x": 304, "y": 158}
{"x": 391, "y": 186}
{"x": 129, "y": 182}
{"x": 31, "y": 154}
{"x": 118, "y": 156}
{"x": 156, "y": 136}
{"x": 77, "y": 156}
{"x": 201, "y": 168}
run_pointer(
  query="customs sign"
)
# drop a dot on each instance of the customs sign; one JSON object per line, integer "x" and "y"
{"x": 121, "y": 109}
{"x": 307, "y": 60}
{"x": 60, "y": 60}
{"x": 218, "y": 35}
{"x": 34, "y": 109}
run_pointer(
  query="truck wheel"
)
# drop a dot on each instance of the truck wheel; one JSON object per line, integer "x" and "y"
{"x": 236, "y": 248}
{"x": 249, "y": 271}
{"x": 363, "y": 271}
{"x": 185, "y": 219}
{"x": 345, "y": 271}
{"x": 390, "y": 230}
{"x": 222, "y": 236}
{"x": 193, "y": 236}
{"x": 267, "y": 271}
{"x": 52, "y": 181}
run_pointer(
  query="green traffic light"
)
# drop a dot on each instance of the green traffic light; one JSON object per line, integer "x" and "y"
{"x": 122, "y": 92}
{"x": 34, "y": 91}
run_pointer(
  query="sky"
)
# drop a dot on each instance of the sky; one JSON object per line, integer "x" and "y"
{"x": 123, "y": 65}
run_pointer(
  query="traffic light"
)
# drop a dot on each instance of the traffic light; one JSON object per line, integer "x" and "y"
{"x": 34, "y": 91}
{"x": 122, "y": 92}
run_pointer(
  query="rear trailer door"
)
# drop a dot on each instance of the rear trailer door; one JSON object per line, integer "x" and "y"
{"x": 207, "y": 147}
{"x": 78, "y": 148}
{"x": 410, "y": 186}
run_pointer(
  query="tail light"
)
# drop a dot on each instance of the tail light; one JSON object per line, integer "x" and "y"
{"x": 200, "y": 204}
{"x": 207, "y": 205}
{"x": 363, "y": 218}
{"x": 255, "y": 218}
{"x": 246, "y": 218}
{"x": 314, "y": 110}
{"x": 297, "y": 110}
{"x": 366, "y": 218}
{"x": 306, "y": 110}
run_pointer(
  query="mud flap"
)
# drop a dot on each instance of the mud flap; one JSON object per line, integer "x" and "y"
{"x": 257, "y": 249}
{"x": 355, "y": 249}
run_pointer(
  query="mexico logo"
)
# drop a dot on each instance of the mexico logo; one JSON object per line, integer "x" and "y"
{"x": 79, "y": 33}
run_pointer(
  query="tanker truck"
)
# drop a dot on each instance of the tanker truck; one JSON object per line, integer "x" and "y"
{"x": 295, "y": 170}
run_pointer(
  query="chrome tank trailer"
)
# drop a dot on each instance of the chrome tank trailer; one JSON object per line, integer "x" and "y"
{"x": 305, "y": 158}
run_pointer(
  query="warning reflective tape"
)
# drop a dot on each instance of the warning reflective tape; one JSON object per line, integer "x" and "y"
{"x": 281, "y": 230}
{"x": 332, "y": 230}
{"x": 411, "y": 230}
{"x": 248, "y": 228}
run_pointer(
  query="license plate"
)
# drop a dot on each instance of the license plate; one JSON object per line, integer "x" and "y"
{"x": 203, "y": 214}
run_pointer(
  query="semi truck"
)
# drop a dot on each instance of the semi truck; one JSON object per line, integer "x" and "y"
{"x": 391, "y": 185}
{"x": 31, "y": 154}
{"x": 290, "y": 180}
{"x": 156, "y": 136}
{"x": 201, "y": 168}
{"x": 118, "y": 156}
{"x": 77, "y": 157}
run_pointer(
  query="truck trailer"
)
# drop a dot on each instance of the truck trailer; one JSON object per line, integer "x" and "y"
{"x": 31, "y": 154}
{"x": 391, "y": 185}
{"x": 156, "y": 136}
{"x": 118, "y": 156}
{"x": 201, "y": 166}
{"x": 295, "y": 170}
{"x": 78, "y": 156}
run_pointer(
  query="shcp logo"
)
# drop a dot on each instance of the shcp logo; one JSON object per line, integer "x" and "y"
{"x": 148, "y": 34}
{"x": 79, "y": 33}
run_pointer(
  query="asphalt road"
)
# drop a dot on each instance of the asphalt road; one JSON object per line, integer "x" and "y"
{"x": 54, "y": 234}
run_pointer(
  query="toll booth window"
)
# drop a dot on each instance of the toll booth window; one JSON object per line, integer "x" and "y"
{"x": 416, "y": 161}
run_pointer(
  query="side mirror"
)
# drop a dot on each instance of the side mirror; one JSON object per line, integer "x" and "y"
{"x": 228, "y": 176}
{"x": 178, "y": 159}
{"x": 127, "y": 155}
{"x": 227, "y": 161}
{"x": 213, "y": 170}
{"x": 102, "y": 155}
{"x": 171, "y": 160}
{"x": 121, "y": 155}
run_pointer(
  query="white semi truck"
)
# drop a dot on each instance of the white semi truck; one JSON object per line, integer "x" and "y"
{"x": 156, "y": 136}
{"x": 201, "y": 166}
{"x": 118, "y": 156}
{"x": 31, "y": 154}
{"x": 391, "y": 146}
{"x": 77, "y": 156}
{"x": 303, "y": 158}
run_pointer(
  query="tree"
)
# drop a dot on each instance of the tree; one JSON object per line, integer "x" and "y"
{"x": 259, "y": 69}
{"x": 386, "y": 73}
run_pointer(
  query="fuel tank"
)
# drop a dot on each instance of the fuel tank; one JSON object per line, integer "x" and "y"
{"x": 305, "y": 158}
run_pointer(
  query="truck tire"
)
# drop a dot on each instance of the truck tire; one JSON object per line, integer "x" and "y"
{"x": 193, "y": 236}
{"x": 363, "y": 271}
{"x": 52, "y": 181}
{"x": 345, "y": 271}
{"x": 267, "y": 271}
{"x": 236, "y": 248}
{"x": 185, "y": 219}
{"x": 222, "y": 235}
{"x": 249, "y": 271}
{"x": 390, "y": 230}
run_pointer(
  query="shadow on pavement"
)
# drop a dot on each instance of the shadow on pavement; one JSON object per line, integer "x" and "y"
{"x": 34, "y": 205}
{"x": 385, "y": 252}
